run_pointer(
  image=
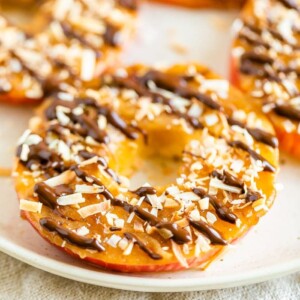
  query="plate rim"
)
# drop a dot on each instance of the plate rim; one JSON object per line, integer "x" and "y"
{"x": 141, "y": 284}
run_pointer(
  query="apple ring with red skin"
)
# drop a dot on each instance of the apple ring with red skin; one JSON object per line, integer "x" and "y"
{"x": 74, "y": 166}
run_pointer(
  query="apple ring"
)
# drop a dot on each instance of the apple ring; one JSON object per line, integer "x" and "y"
{"x": 75, "y": 163}
{"x": 265, "y": 64}
{"x": 77, "y": 41}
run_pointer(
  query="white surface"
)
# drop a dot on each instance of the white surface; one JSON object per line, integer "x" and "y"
{"x": 271, "y": 249}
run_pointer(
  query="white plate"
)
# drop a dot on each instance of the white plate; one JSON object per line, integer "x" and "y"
{"x": 271, "y": 249}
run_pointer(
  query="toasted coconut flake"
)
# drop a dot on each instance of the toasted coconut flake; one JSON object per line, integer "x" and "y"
{"x": 173, "y": 190}
{"x": 130, "y": 218}
{"x": 140, "y": 201}
{"x": 88, "y": 189}
{"x": 219, "y": 86}
{"x": 211, "y": 119}
{"x": 195, "y": 215}
{"x": 70, "y": 199}
{"x": 195, "y": 110}
{"x": 94, "y": 209}
{"x": 196, "y": 166}
{"x": 237, "y": 166}
{"x": 61, "y": 115}
{"x": 204, "y": 203}
{"x": 123, "y": 244}
{"x": 178, "y": 254}
{"x": 165, "y": 233}
{"x": 155, "y": 201}
{"x": 119, "y": 223}
{"x": 260, "y": 205}
{"x": 102, "y": 122}
{"x": 24, "y": 152}
{"x": 114, "y": 240}
{"x": 23, "y": 137}
{"x": 211, "y": 218}
{"x": 64, "y": 150}
{"x": 170, "y": 203}
{"x": 188, "y": 196}
{"x": 203, "y": 242}
{"x": 31, "y": 206}
{"x": 88, "y": 65}
{"x": 89, "y": 161}
{"x": 138, "y": 226}
{"x": 63, "y": 178}
{"x": 29, "y": 139}
{"x": 154, "y": 211}
{"x": 218, "y": 184}
{"x": 82, "y": 231}
{"x": 129, "y": 248}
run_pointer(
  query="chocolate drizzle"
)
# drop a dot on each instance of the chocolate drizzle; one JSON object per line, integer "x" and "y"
{"x": 91, "y": 179}
{"x": 88, "y": 125}
{"x": 212, "y": 234}
{"x": 253, "y": 64}
{"x": 70, "y": 33}
{"x": 232, "y": 180}
{"x": 268, "y": 167}
{"x": 180, "y": 235}
{"x": 258, "y": 134}
{"x": 222, "y": 211}
{"x": 71, "y": 236}
{"x": 46, "y": 194}
{"x": 144, "y": 191}
{"x": 228, "y": 179}
{"x": 87, "y": 155}
{"x": 179, "y": 86}
{"x": 286, "y": 110}
{"x": 111, "y": 35}
{"x": 290, "y": 4}
{"x": 142, "y": 245}
{"x": 42, "y": 155}
{"x": 139, "y": 85}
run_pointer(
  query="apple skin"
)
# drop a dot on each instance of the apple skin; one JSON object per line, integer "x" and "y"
{"x": 19, "y": 100}
{"x": 176, "y": 266}
{"x": 205, "y": 4}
